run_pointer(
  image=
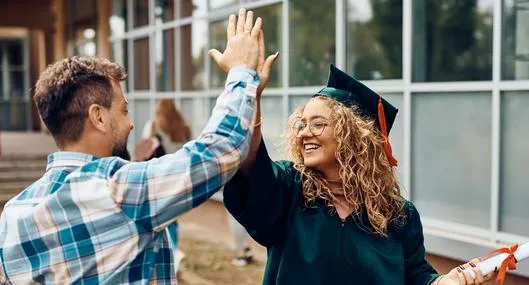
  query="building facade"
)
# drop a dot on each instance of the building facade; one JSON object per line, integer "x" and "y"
{"x": 457, "y": 70}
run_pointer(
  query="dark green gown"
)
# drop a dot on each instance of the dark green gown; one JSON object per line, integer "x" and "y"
{"x": 309, "y": 245}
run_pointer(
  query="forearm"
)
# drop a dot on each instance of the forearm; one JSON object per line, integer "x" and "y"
{"x": 256, "y": 139}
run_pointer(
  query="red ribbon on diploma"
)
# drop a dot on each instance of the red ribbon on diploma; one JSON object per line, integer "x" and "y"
{"x": 509, "y": 262}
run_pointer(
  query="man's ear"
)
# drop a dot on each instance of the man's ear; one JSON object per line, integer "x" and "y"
{"x": 99, "y": 118}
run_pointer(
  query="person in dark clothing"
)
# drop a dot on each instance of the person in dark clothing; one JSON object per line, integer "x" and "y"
{"x": 334, "y": 214}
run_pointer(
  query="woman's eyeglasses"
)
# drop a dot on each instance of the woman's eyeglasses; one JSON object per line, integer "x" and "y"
{"x": 316, "y": 127}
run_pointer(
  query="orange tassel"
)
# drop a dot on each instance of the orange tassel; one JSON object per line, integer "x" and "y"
{"x": 383, "y": 127}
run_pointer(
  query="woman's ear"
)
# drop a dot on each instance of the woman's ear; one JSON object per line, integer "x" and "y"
{"x": 99, "y": 118}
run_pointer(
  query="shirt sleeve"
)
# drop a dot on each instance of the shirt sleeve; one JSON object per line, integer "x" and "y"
{"x": 263, "y": 199}
{"x": 417, "y": 270}
{"x": 155, "y": 192}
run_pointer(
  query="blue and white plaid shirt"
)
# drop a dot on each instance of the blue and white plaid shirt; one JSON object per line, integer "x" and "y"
{"x": 95, "y": 220}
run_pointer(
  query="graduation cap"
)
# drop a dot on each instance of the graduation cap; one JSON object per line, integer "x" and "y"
{"x": 350, "y": 92}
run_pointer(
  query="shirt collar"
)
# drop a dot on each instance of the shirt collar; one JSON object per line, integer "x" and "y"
{"x": 68, "y": 159}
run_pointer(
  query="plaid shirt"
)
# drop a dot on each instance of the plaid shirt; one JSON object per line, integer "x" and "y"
{"x": 95, "y": 220}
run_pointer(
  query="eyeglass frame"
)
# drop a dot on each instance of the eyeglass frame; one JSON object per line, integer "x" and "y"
{"x": 310, "y": 125}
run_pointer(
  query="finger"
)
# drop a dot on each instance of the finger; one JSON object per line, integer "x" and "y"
{"x": 260, "y": 59}
{"x": 216, "y": 55}
{"x": 257, "y": 27}
{"x": 479, "y": 276}
{"x": 468, "y": 277}
{"x": 249, "y": 22}
{"x": 240, "y": 21}
{"x": 460, "y": 276}
{"x": 231, "y": 26}
{"x": 267, "y": 66}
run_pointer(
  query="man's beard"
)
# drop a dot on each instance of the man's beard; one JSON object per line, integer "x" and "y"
{"x": 120, "y": 150}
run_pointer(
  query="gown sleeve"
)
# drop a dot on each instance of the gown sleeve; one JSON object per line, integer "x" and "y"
{"x": 417, "y": 270}
{"x": 262, "y": 199}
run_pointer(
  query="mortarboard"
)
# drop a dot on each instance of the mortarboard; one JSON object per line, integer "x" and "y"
{"x": 350, "y": 92}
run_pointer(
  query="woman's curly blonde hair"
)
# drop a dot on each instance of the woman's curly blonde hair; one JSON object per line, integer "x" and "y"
{"x": 369, "y": 182}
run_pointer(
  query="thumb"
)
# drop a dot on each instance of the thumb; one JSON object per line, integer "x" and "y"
{"x": 216, "y": 55}
{"x": 267, "y": 66}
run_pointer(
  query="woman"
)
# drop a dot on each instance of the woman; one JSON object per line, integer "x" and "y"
{"x": 169, "y": 127}
{"x": 335, "y": 214}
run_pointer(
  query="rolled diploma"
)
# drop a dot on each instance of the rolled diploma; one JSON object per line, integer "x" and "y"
{"x": 489, "y": 265}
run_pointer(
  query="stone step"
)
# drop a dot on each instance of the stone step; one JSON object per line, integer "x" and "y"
{"x": 11, "y": 189}
{"x": 30, "y": 165}
{"x": 23, "y": 175}
{"x": 23, "y": 157}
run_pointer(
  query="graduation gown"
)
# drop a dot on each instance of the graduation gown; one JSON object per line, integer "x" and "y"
{"x": 310, "y": 245}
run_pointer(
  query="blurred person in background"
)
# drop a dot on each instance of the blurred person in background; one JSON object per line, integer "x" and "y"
{"x": 95, "y": 217}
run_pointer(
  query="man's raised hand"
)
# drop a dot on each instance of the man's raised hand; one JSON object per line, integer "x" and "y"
{"x": 242, "y": 47}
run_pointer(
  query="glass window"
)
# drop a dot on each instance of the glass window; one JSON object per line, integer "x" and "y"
{"x": 16, "y": 84}
{"x": 196, "y": 111}
{"x": 451, "y": 157}
{"x": 214, "y": 4}
{"x": 118, "y": 20}
{"x": 312, "y": 34}
{"x": 164, "y": 11}
{"x": 273, "y": 124}
{"x": 141, "y": 64}
{"x": 142, "y": 113}
{"x": 15, "y": 51}
{"x": 119, "y": 54}
{"x": 514, "y": 187}
{"x": 515, "y": 43}
{"x": 81, "y": 27}
{"x": 192, "y": 55}
{"x": 193, "y": 8}
{"x": 295, "y": 101}
{"x": 374, "y": 39}
{"x": 165, "y": 60}
{"x": 271, "y": 15}
{"x": 452, "y": 40}
{"x": 141, "y": 13}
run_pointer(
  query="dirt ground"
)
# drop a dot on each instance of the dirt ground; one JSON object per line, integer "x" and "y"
{"x": 210, "y": 264}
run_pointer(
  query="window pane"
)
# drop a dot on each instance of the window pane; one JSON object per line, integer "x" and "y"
{"x": 213, "y": 4}
{"x": 515, "y": 49}
{"x": 295, "y": 101}
{"x": 192, "y": 55}
{"x": 196, "y": 111}
{"x": 374, "y": 39}
{"x": 165, "y": 60}
{"x": 452, "y": 40}
{"x": 164, "y": 10}
{"x": 13, "y": 115}
{"x": 514, "y": 157}
{"x": 118, "y": 20}
{"x": 271, "y": 15}
{"x": 15, "y": 53}
{"x": 141, "y": 64}
{"x": 193, "y": 8}
{"x": 142, "y": 113}
{"x": 16, "y": 84}
{"x": 451, "y": 160}
{"x": 119, "y": 54}
{"x": 312, "y": 34}
{"x": 273, "y": 124}
{"x": 141, "y": 13}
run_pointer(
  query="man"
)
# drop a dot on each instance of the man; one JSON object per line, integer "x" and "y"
{"x": 97, "y": 218}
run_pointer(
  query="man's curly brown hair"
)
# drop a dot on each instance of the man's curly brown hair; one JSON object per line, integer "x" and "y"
{"x": 67, "y": 88}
